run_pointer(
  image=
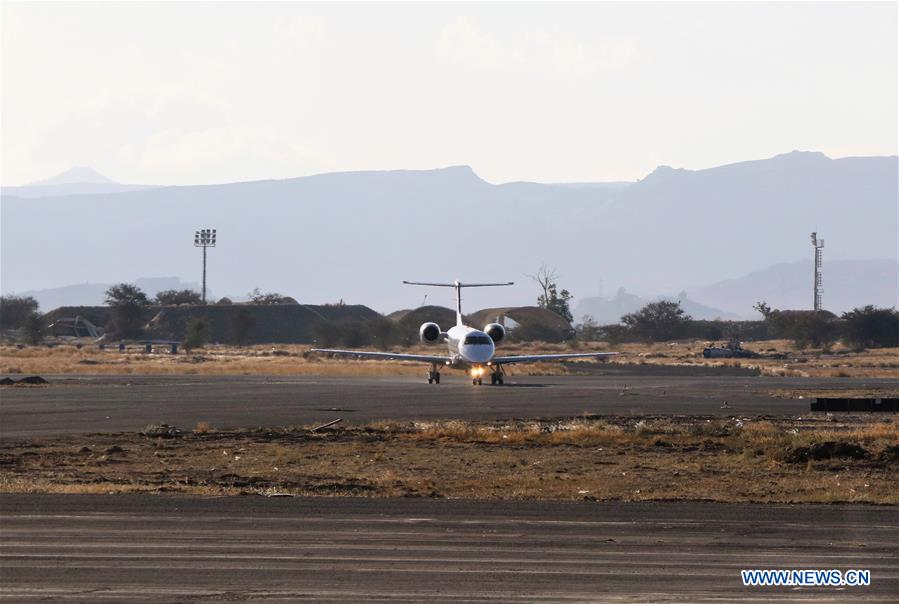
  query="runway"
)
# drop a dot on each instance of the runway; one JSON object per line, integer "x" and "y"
{"x": 89, "y": 404}
{"x": 102, "y": 548}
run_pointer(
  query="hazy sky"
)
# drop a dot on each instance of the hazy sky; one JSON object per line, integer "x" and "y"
{"x": 171, "y": 93}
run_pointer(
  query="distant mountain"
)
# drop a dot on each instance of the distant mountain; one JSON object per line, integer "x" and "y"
{"x": 607, "y": 311}
{"x": 92, "y": 294}
{"x": 846, "y": 283}
{"x": 595, "y": 185}
{"x": 76, "y": 174}
{"x": 356, "y": 235}
{"x": 736, "y": 218}
{"x": 79, "y": 180}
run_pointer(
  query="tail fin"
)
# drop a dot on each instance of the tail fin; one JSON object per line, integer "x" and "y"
{"x": 459, "y": 287}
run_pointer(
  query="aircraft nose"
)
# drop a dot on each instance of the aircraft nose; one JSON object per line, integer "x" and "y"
{"x": 478, "y": 354}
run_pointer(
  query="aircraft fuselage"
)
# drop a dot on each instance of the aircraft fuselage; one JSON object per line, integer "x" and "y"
{"x": 469, "y": 347}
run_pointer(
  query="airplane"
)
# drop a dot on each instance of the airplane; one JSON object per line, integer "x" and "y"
{"x": 468, "y": 348}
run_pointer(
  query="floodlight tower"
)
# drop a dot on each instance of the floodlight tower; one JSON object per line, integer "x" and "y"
{"x": 204, "y": 238}
{"x": 819, "y": 246}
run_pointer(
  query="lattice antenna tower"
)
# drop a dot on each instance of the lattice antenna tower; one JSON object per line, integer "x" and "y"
{"x": 819, "y": 290}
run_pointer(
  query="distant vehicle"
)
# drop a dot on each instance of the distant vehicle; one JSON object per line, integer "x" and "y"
{"x": 733, "y": 349}
{"x": 469, "y": 348}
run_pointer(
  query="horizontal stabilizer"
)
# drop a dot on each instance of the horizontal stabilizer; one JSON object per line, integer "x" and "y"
{"x": 457, "y": 284}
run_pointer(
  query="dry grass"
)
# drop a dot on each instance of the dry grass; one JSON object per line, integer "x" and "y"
{"x": 296, "y": 360}
{"x": 838, "y": 362}
{"x": 613, "y": 458}
{"x": 203, "y": 428}
{"x": 836, "y": 391}
{"x": 219, "y": 360}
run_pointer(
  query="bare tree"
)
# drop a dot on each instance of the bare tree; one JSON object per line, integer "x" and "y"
{"x": 546, "y": 278}
{"x": 551, "y": 298}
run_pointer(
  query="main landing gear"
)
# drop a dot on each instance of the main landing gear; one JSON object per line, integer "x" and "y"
{"x": 496, "y": 377}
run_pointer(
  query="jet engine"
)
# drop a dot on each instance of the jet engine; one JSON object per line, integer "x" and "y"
{"x": 496, "y": 332}
{"x": 429, "y": 333}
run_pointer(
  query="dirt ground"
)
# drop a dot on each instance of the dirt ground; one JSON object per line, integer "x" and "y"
{"x": 803, "y": 460}
{"x": 777, "y": 357}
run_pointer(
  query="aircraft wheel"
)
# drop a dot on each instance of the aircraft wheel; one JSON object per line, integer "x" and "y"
{"x": 480, "y": 382}
{"x": 500, "y": 380}
{"x": 430, "y": 380}
{"x": 437, "y": 379}
{"x": 493, "y": 379}
{"x": 474, "y": 382}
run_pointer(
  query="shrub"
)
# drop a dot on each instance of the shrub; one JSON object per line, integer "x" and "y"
{"x": 615, "y": 334}
{"x": 242, "y": 323}
{"x": 587, "y": 330}
{"x": 15, "y": 310}
{"x": 325, "y": 333}
{"x": 196, "y": 334}
{"x": 182, "y": 296}
{"x": 383, "y": 333}
{"x": 817, "y": 328}
{"x": 658, "y": 321}
{"x": 355, "y": 333}
{"x": 34, "y": 329}
{"x": 128, "y": 303}
{"x": 257, "y": 297}
{"x": 871, "y": 327}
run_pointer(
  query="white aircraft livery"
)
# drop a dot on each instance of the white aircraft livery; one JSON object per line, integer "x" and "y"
{"x": 468, "y": 348}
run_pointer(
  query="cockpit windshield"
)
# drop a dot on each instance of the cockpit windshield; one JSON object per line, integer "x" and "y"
{"x": 477, "y": 339}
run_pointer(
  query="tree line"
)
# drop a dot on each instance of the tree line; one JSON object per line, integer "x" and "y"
{"x": 129, "y": 304}
{"x": 664, "y": 320}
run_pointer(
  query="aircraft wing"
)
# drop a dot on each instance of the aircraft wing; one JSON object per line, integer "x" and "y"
{"x": 537, "y": 358}
{"x": 387, "y": 356}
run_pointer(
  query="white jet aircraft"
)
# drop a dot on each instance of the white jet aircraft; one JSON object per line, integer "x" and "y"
{"x": 469, "y": 348}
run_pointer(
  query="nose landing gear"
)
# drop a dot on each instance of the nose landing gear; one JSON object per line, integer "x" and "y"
{"x": 496, "y": 376}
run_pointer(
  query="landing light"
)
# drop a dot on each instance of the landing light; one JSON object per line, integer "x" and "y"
{"x": 477, "y": 372}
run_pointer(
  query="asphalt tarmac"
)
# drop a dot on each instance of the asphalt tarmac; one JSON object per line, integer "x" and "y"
{"x": 89, "y": 404}
{"x": 162, "y": 549}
